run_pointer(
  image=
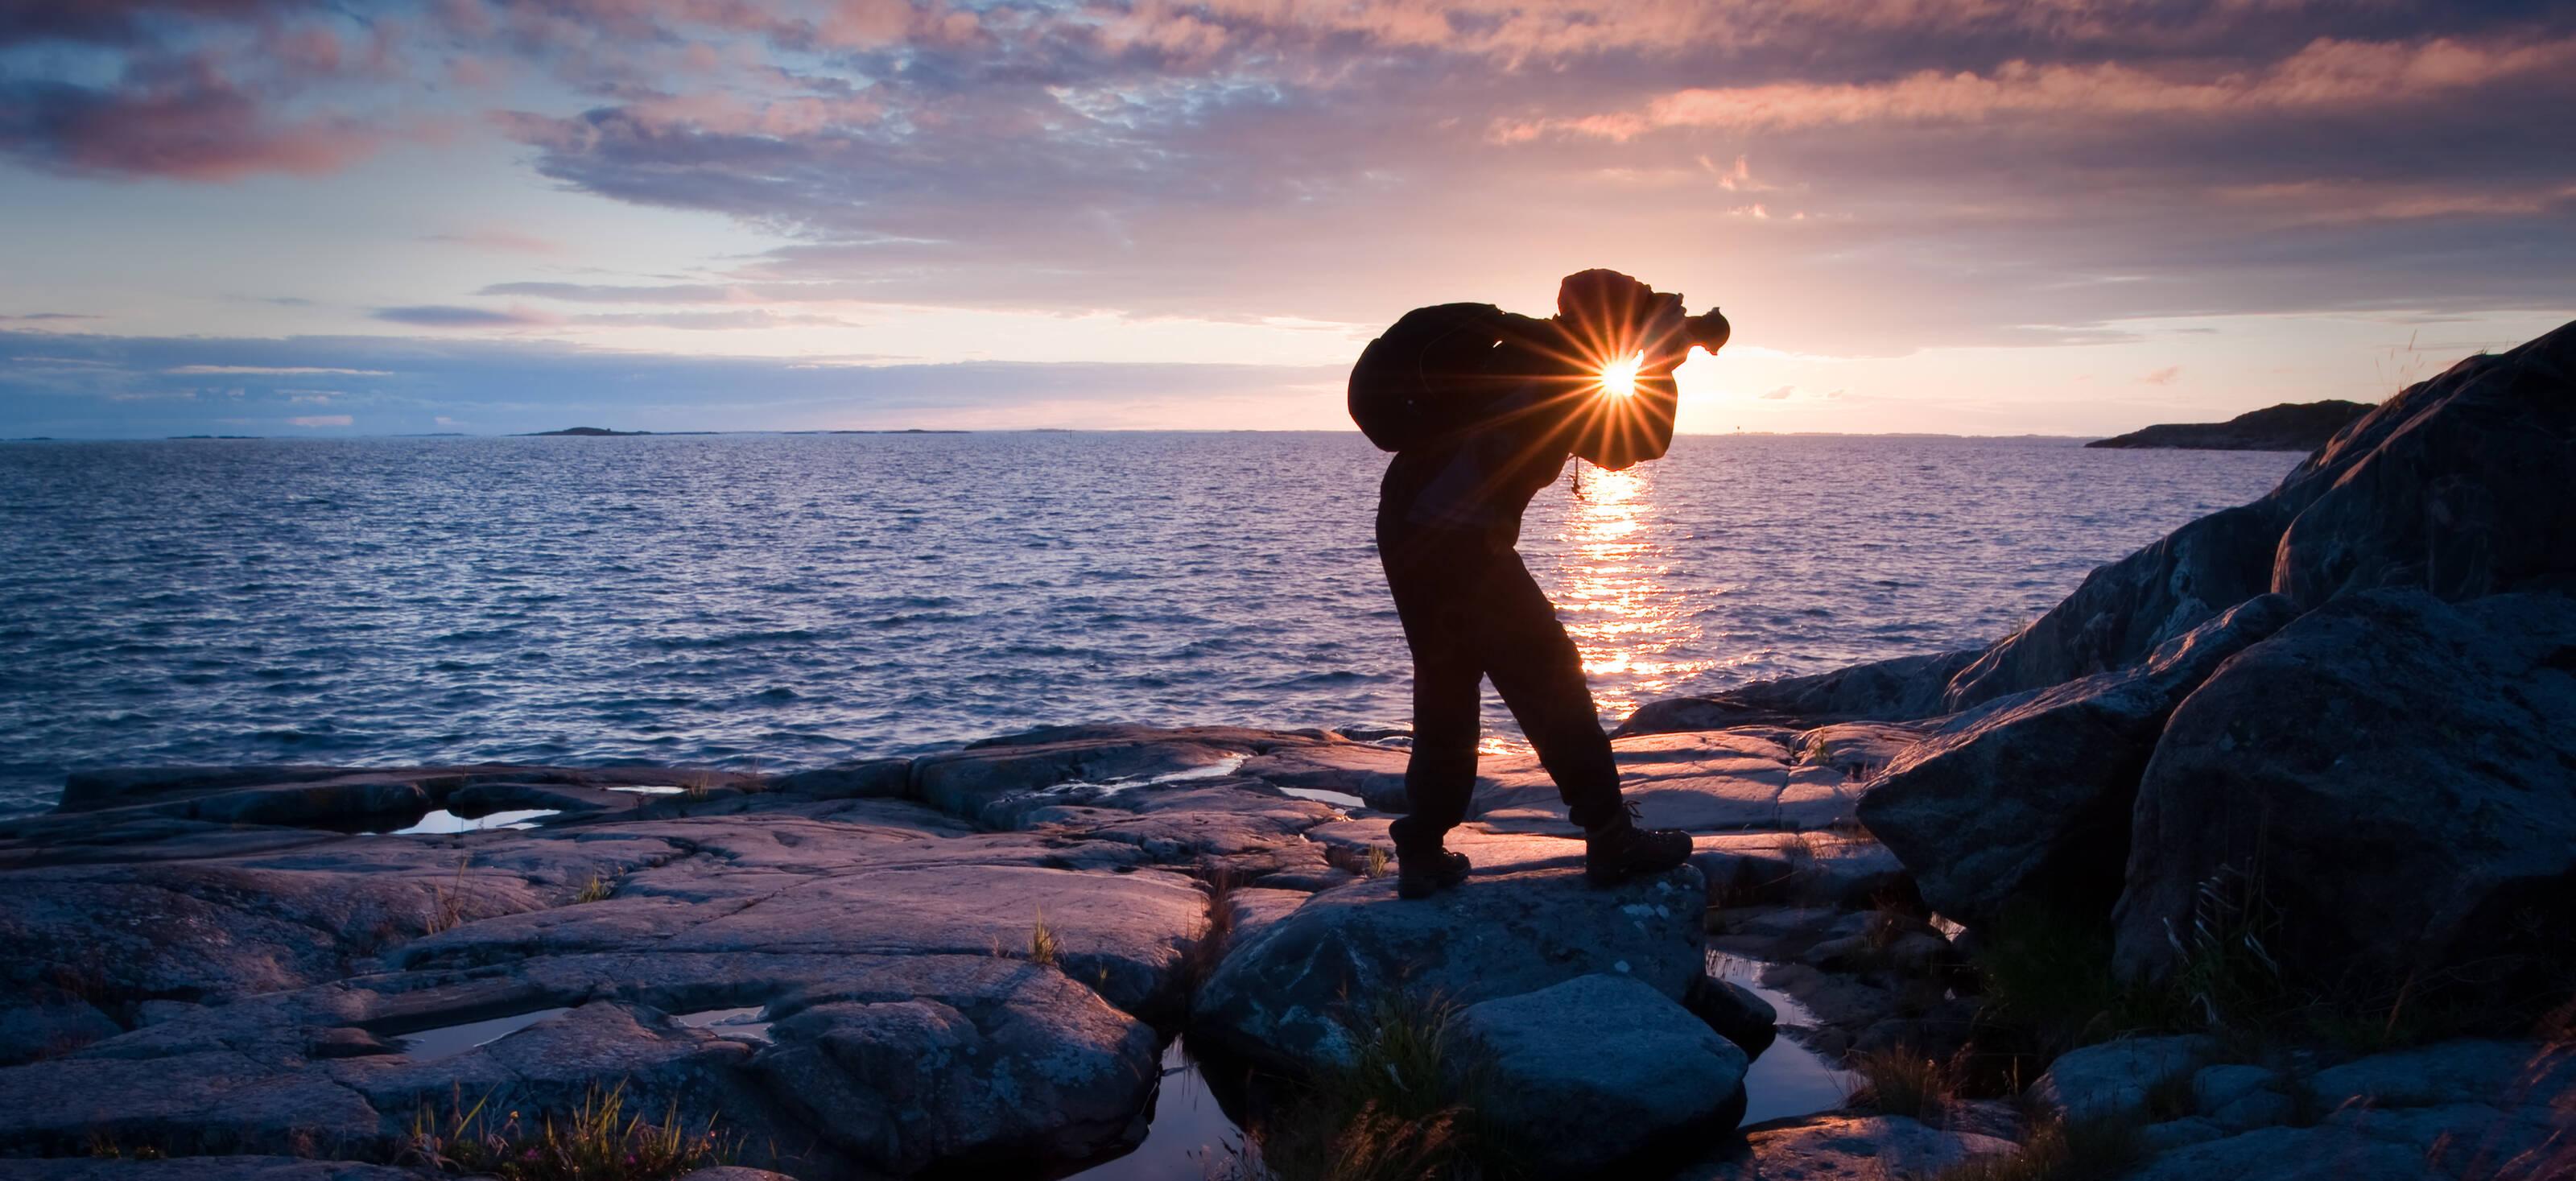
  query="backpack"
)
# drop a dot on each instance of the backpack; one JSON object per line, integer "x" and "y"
{"x": 1425, "y": 377}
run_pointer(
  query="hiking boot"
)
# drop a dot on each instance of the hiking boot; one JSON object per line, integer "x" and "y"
{"x": 1420, "y": 875}
{"x": 1620, "y": 850}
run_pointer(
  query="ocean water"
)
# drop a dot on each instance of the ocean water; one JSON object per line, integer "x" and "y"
{"x": 789, "y": 600}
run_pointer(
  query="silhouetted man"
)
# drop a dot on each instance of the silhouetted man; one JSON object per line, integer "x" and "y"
{"x": 1482, "y": 407}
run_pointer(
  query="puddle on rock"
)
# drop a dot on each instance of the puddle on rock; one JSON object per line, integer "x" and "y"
{"x": 1788, "y": 1079}
{"x": 1189, "y": 1134}
{"x": 448, "y": 1041}
{"x": 1216, "y": 770}
{"x": 743, "y": 1023}
{"x": 441, "y": 822}
{"x": 1338, "y": 799}
{"x": 648, "y": 789}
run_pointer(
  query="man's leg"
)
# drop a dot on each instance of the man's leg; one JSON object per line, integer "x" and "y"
{"x": 1441, "y": 776}
{"x": 1539, "y": 672}
{"x": 1433, "y": 587}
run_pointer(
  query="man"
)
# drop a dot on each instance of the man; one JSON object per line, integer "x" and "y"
{"x": 1482, "y": 408}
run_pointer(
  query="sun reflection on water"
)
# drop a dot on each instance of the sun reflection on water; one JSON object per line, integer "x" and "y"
{"x": 1613, "y": 590}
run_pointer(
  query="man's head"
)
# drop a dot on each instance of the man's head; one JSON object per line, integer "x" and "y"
{"x": 1614, "y": 312}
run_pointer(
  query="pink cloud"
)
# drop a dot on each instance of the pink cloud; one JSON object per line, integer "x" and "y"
{"x": 2325, "y": 76}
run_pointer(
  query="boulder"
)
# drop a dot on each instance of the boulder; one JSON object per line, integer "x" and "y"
{"x": 1525, "y": 920}
{"x": 1838, "y": 1147}
{"x": 2030, "y": 794}
{"x": 985, "y": 1062}
{"x": 2457, "y": 486}
{"x": 2112, "y": 1080}
{"x": 2398, "y": 775}
{"x": 1601, "y": 1069}
{"x": 1737, "y": 1013}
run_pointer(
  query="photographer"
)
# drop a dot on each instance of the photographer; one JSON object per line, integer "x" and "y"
{"x": 1482, "y": 408}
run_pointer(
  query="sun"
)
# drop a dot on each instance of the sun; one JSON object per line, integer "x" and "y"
{"x": 1619, "y": 378}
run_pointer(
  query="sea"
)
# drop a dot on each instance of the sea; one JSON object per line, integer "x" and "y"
{"x": 779, "y": 601}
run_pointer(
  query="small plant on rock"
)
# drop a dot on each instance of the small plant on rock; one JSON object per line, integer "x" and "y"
{"x": 1377, "y": 863}
{"x": 1903, "y": 1081}
{"x": 598, "y": 1141}
{"x": 1405, "y": 1109}
{"x": 1043, "y": 945}
{"x": 597, "y": 889}
{"x": 447, "y": 904}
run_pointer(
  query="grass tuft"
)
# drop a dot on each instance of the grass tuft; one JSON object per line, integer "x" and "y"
{"x": 1043, "y": 945}
{"x": 1376, "y": 864}
{"x": 2056, "y": 1150}
{"x": 447, "y": 904}
{"x": 1904, "y": 1082}
{"x": 598, "y": 1141}
{"x": 597, "y": 889}
{"x": 1405, "y": 1109}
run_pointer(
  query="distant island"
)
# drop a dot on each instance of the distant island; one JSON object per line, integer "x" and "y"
{"x": 2290, "y": 426}
{"x": 177, "y": 438}
{"x": 591, "y": 432}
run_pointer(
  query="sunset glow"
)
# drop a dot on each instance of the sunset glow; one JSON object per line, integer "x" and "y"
{"x": 1619, "y": 378}
{"x": 487, "y": 216}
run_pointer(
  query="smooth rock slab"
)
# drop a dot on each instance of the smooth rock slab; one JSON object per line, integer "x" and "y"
{"x": 2111, "y": 1080}
{"x": 1523, "y": 921}
{"x": 1846, "y": 1148}
{"x": 1601, "y": 1069}
{"x": 2290, "y": 1154}
{"x": 1714, "y": 781}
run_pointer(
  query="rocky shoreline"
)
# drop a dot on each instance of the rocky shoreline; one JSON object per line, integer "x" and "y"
{"x": 2241, "y": 785}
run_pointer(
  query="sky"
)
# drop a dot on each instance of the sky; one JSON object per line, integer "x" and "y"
{"x": 1976, "y": 217}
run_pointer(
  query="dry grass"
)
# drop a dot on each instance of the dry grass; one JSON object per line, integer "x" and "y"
{"x": 1044, "y": 947}
{"x": 447, "y": 903}
{"x": 1404, "y": 1110}
{"x": 597, "y": 889}
{"x": 1904, "y": 1082}
{"x": 596, "y": 1142}
{"x": 1376, "y": 864}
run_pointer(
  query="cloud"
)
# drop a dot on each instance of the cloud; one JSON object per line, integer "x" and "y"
{"x": 612, "y": 293}
{"x": 2326, "y": 76}
{"x": 322, "y": 420}
{"x": 1779, "y": 394}
{"x": 1852, "y": 176}
{"x": 453, "y": 316}
{"x": 503, "y": 240}
{"x": 43, "y": 317}
{"x": 2164, "y": 376}
{"x": 181, "y": 119}
{"x": 278, "y": 369}
{"x": 132, "y": 386}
